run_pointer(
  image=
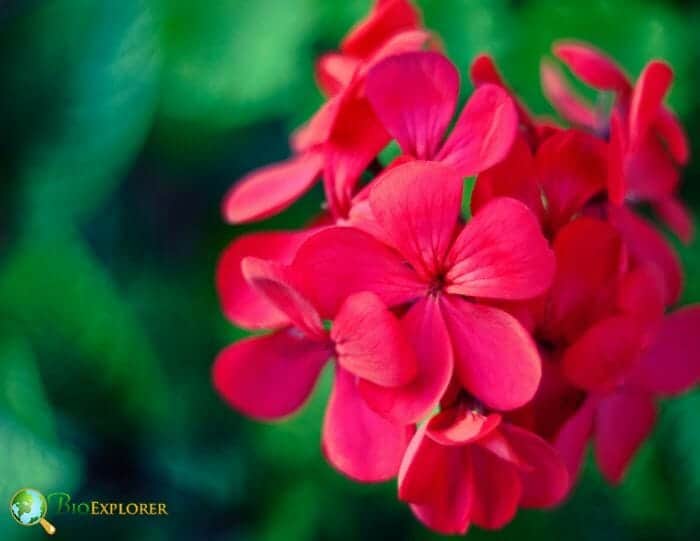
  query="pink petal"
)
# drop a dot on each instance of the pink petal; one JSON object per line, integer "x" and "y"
{"x": 501, "y": 253}
{"x": 495, "y": 357}
{"x": 271, "y": 376}
{"x": 335, "y": 71}
{"x": 573, "y": 437}
{"x": 604, "y": 354}
{"x": 387, "y": 18}
{"x": 418, "y": 205}
{"x": 676, "y": 216}
{"x": 497, "y": 490}
{"x": 270, "y": 190}
{"x": 514, "y": 177}
{"x": 241, "y": 303}
{"x": 370, "y": 343}
{"x": 318, "y": 128}
{"x": 497, "y": 444}
{"x": 572, "y": 167}
{"x": 671, "y": 364}
{"x": 546, "y": 482}
{"x": 437, "y": 481}
{"x": 357, "y": 441}
{"x": 425, "y": 328}
{"x": 592, "y": 66}
{"x": 671, "y": 131}
{"x": 403, "y": 42}
{"x": 484, "y": 132}
{"x": 647, "y": 97}
{"x": 648, "y": 246}
{"x": 623, "y": 421}
{"x": 564, "y": 99}
{"x": 340, "y": 261}
{"x": 460, "y": 425}
{"x": 417, "y": 119}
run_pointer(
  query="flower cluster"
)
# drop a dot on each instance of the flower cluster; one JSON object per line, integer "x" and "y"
{"x": 480, "y": 337}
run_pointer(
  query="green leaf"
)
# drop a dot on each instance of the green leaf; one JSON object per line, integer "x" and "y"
{"x": 469, "y": 184}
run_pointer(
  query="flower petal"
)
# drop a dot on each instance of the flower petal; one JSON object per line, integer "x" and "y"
{"x": 647, "y": 97}
{"x": 418, "y": 206}
{"x": 501, "y": 253}
{"x": 564, "y": 99}
{"x": 546, "y": 481}
{"x": 241, "y": 303}
{"x": 267, "y": 191}
{"x": 617, "y": 152}
{"x": 497, "y": 490}
{"x": 676, "y": 216}
{"x": 623, "y": 422}
{"x": 604, "y": 354}
{"x": 425, "y": 328}
{"x": 335, "y": 71}
{"x": 592, "y": 66}
{"x": 671, "y": 364}
{"x": 416, "y": 119}
{"x": 572, "y": 439}
{"x": 671, "y": 131}
{"x": 271, "y": 376}
{"x": 357, "y": 441}
{"x": 495, "y": 357}
{"x": 484, "y": 132}
{"x": 340, "y": 261}
{"x": 437, "y": 481}
{"x": 370, "y": 343}
{"x": 457, "y": 426}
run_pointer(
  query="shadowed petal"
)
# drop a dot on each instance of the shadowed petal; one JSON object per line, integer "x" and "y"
{"x": 497, "y": 490}
{"x": 572, "y": 439}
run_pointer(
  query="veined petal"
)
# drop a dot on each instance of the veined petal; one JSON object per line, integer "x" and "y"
{"x": 414, "y": 95}
{"x": 357, "y": 441}
{"x": 418, "y": 205}
{"x": 370, "y": 342}
{"x": 424, "y": 327}
{"x": 241, "y": 303}
{"x": 623, "y": 421}
{"x": 495, "y": 357}
{"x": 484, "y": 132}
{"x": 647, "y": 97}
{"x": 501, "y": 253}
{"x": 340, "y": 261}
{"x": 267, "y": 191}
{"x": 592, "y": 66}
{"x": 271, "y": 376}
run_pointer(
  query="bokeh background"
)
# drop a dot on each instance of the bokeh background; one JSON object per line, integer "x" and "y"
{"x": 122, "y": 124}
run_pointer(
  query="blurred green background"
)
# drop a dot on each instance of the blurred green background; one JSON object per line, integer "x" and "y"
{"x": 122, "y": 123}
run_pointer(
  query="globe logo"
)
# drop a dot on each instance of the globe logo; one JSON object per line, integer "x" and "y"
{"x": 28, "y": 507}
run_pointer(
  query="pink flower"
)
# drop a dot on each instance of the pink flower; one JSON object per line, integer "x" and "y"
{"x": 463, "y": 467}
{"x": 271, "y": 376}
{"x": 433, "y": 268}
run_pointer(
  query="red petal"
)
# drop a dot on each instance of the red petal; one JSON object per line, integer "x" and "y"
{"x": 671, "y": 131}
{"x": 676, "y": 216}
{"x": 647, "y": 97}
{"x": 370, "y": 343}
{"x": 497, "y": 490}
{"x": 671, "y": 364}
{"x": 340, "y": 261}
{"x": 573, "y": 437}
{"x": 457, "y": 426}
{"x": 272, "y": 189}
{"x": 623, "y": 422}
{"x": 501, "y": 253}
{"x": 648, "y": 246}
{"x": 357, "y": 441}
{"x": 425, "y": 328}
{"x": 437, "y": 480}
{"x": 241, "y": 303}
{"x": 417, "y": 119}
{"x": 514, "y": 177}
{"x": 617, "y": 152}
{"x": 268, "y": 377}
{"x": 495, "y": 357}
{"x": 572, "y": 167}
{"x": 564, "y": 99}
{"x": 546, "y": 482}
{"x": 418, "y": 206}
{"x": 641, "y": 294}
{"x": 335, "y": 71}
{"x": 592, "y": 66}
{"x": 318, "y": 128}
{"x": 650, "y": 172}
{"x": 387, "y": 18}
{"x": 484, "y": 132}
{"x": 604, "y": 354}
